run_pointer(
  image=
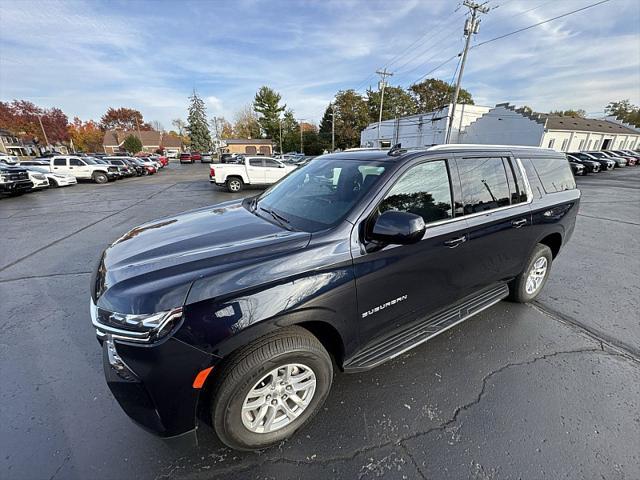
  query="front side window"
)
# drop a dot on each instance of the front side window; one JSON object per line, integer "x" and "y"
{"x": 255, "y": 162}
{"x": 59, "y": 162}
{"x": 75, "y": 162}
{"x": 484, "y": 184}
{"x": 422, "y": 190}
{"x": 320, "y": 194}
{"x": 271, "y": 163}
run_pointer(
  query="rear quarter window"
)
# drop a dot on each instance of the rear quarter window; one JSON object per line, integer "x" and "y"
{"x": 554, "y": 173}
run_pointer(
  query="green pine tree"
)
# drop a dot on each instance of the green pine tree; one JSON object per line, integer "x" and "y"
{"x": 132, "y": 144}
{"x": 267, "y": 105}
{"x": 197, "y": 124}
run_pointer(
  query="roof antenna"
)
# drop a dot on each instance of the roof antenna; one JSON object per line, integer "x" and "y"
{"x": 396, "y": 150}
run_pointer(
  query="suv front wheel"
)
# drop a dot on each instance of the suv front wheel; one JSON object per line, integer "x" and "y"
{"x": 528, "y": 285}
{"x": 271, "y": 388}
{"x": 100, "y": 177}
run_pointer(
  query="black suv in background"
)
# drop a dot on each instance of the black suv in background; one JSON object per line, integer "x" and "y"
{"x": 232, "y": 313}
{"x": 14, "y": 180}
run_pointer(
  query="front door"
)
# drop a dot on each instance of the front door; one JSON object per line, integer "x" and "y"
{"x": 78, "y": 168}
{"x": 397, "y": 284}
{"x": 495, "y": 204}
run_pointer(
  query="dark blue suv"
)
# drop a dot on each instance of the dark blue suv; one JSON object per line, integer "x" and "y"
{"x": 236, "y": 313}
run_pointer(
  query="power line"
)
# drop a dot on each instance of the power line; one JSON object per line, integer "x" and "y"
{"x": 436, "y": 68}
{"x": 539, "y": 23}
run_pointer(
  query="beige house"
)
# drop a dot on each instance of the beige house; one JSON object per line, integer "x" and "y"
{"x": 150, "y": 139}
{"x": 252, "y": 146}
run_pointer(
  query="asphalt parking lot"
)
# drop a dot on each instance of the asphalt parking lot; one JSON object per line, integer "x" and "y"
{"x": 549, "y": 390}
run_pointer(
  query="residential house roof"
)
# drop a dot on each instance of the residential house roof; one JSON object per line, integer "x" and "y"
{"x": 556, "y": 122}
{"x": 249, "y": 141}
{"x": 170, "y": 141}
{"x": 114, "y": 138}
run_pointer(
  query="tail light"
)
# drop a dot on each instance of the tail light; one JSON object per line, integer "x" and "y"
{"x": 213, "y": 172}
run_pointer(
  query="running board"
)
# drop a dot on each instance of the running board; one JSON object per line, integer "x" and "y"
{"x": 410, "y": 336}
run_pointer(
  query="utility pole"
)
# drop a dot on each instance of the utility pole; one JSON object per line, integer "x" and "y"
{"x": 43, "y": 132}
{"x": 280, "y": 124}
{"x": 381, "y": 86}
{"x": 300, "y": 120}
{"x": 471, "y": 27}
{"x": 333, "y": 128}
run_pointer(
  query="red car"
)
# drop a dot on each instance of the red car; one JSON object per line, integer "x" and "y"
{"x": 195, "y": 156}
{"x": 186, "y": 158}
{"x": 163, "y": 160}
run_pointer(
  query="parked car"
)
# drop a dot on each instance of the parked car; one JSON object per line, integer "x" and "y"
{"x": 149, "y": 165}
{"x": 632, "y": 153}
{"x": 102, "y": 161}
{"x": 631, "y": 159}
{"x": 164, "y": 161}
{"x": 8, "y": 159}
{"x": 597, "y": 155}
{"x": 606, "y": 164}
{"x": 140, "y": 167}
{"x": 42, "y": 163}
{"x": 206, "y": 157}
{"x": 232, "y": 313}
{"x": 14, "y": 180}
{"x": 577, "y": 168}
{"x": 83, "y": 168}
{"x": 250, "y": 171}
{"x": 227, "y": 158}
{"x": 196, "y": 156}
{"x": 54, "y": 179}
{"x": 39, "y": 180}
{"x": 590, "y": 166}
{"x": 123, "y": 165}
{"x": 186, "y": 158}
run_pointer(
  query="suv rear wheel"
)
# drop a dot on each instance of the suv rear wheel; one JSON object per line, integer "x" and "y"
{"x": 271, "y": 388}
{"x": 528, "y": 285}
{"x": 234, "y": 184}
{"x": 100, "y": 177}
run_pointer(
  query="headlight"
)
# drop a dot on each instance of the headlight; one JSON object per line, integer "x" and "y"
{"x": 4, "y": 178}
{"x": 143, "y": 328}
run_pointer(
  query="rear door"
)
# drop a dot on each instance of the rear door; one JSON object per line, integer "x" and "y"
{"x": 496, "y": 204}
{"x": 59, "y": 165}
{"x": 398, "y": 283}
{"x": 256, "y": 171}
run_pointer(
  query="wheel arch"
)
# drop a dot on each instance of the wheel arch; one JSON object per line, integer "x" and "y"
{"x": 553, "y": 241}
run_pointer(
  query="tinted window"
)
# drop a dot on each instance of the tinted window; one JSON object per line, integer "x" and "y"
{"x": 423, "y": 190}
{"x": 484, "y": 184}
{"x": 271, "y": 163}
{"x": 532, "y": 177}
{"x": 554, "y": 173}
{"x": 60, "y": 162}
{"x": 320, "y": 194}
{"x": 75, "y": 162}
{"x": 516, "y": 182}
{"x": 255, "y": 162}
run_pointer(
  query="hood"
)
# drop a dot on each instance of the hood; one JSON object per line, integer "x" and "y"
{"x": 152, "y": 267}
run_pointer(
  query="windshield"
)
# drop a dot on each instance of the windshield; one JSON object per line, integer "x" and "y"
{"x": 320, "y": 194}
{"x": 597, "y": 154}
{"x": 38, "y": 169}
{"x": 89, "y": 160}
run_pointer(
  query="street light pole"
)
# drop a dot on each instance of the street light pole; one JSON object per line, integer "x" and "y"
{"x": 300, "y": 120}
{"x": 333, "y": 129}
{"x": 280, "y": 123}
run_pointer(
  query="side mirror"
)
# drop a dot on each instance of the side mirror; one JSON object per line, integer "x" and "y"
{"x": 400, "y": 228}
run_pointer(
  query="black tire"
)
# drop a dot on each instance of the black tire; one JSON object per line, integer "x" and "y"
{"x": 249, "y": 365}
{"x": 518, "y": 287}
{"x": 100, "y": 177}
{"x": 53, "y": 183}
{"x": 234, "y": 184}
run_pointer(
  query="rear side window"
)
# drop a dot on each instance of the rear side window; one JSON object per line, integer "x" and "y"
{"x": 422, "y": 190}
{"x": 60, "y": 162}
{"x": 484, "y": 184}
{"x": 255, "y": 162}
{"x": 554, "y": 173}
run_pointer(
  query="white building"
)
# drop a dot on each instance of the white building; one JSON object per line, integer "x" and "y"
{"x": 424, "y": 129}
{"x": 504, "y": 125}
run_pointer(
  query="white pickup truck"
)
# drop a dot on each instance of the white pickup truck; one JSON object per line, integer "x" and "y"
{"x": 248, "y": 171}
{"x": 83, "y": 168}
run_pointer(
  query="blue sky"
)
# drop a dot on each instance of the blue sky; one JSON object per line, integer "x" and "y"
{"x": 87, "y": 56}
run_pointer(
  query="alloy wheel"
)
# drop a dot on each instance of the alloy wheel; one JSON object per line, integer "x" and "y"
{"x": 278, "y": 398}
{"x": 536, "y": 275}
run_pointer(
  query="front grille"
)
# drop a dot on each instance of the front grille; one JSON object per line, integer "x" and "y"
{"x": 113, "y": 169}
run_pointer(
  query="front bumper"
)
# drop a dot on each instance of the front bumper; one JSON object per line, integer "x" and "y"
{"x": 16, "y": 186}
{"x": 153, "y": 382}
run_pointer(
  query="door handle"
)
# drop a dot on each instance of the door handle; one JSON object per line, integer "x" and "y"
{"x": 454, "y": 242}
{"x": 519, "y": 223}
